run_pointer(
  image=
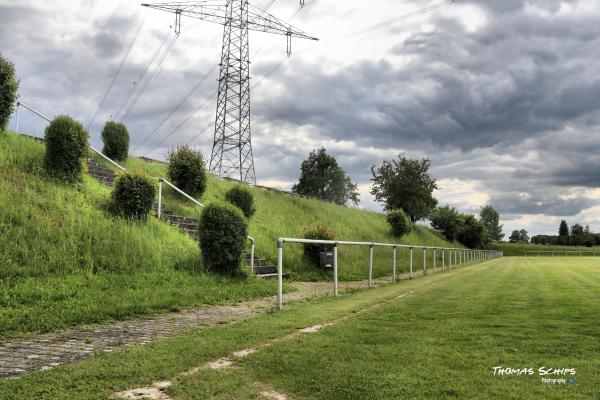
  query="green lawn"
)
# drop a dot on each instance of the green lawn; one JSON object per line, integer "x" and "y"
{"x": 442, "y": 341}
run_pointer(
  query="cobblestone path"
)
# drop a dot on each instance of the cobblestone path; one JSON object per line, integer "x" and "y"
{"x": 73, "y": 345}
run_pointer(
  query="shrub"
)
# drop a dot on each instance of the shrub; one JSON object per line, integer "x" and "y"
{"x": 222, "y": 234}
{"x": 187, "y": 170}
{"x": 133, "y": 196}
{"x": 66, "y": 147}
{"x": 8, "y": 91}
{"x": 242, "y": 198}
{"x": 319, "y": 232}
{"x": 400, "y": 224}
{"x": 116, "y": 141}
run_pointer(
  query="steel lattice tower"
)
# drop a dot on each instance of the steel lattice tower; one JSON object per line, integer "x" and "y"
{"x": 232, "y": 155}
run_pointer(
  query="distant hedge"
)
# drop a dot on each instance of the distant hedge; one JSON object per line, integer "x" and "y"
{"x": 133, "y": 196}
{"x": 187, "y": 170}
{"x": 66, "y": 146}
{"x": 242, "y": 198}
{"x": 9, "y": 85}
{"x": 222, "y": 233}
{"x": 116, "y": 141}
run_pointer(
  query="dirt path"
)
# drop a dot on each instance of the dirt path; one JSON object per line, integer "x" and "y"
{"x": 73, "y": 345}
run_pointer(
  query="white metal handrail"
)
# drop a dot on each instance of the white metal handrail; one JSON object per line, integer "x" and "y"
{"x": 461, "y": 256}
{"x": 565, "y": 252}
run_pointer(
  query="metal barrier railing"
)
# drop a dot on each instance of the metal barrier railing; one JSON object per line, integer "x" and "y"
{"x": 456, "y": 258}
{"x": 552, "y": 253}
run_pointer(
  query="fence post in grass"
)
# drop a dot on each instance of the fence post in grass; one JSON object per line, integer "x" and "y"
{"x": 424, "y": 260}
{"x": 17, "y": 117}
{"x": 411, "y": 263}
{"x": 434, "y": 262}
{"x": 280, "y": 274}
{"x": 460, "y": 258}
{"x": 443, "y": 260}
{"x": 159, "y": 209}
{"x": 370, "y": 265}
{"x": 394, "y": 265}
{"x": 335, "y": 270}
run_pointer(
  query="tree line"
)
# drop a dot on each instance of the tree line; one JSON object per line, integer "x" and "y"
{"x": 576, "y": 235}
{"x": 405, "y": 190}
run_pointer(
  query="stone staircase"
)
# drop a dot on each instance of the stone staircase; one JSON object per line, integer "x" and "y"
{"x": 262, "y": 268}
{"x": 101, "y": 173}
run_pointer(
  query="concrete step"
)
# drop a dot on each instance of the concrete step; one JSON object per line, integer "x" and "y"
{"x": 101, "y": 173}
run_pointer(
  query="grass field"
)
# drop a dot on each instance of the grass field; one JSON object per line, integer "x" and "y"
{"x": 441, "y": 340}
{"x": 519, "y": 249}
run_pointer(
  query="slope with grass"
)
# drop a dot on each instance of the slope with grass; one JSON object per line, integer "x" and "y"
{"x": 281, "y": 214}
{"x": 64, "y": 261}
{"x": 434, "y": 338}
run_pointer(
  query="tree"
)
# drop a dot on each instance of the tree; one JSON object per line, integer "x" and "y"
{"x": 8, "y": 91}
{"x": 577, "y": 230}
{"x": 405, "y": 184}
{"x": 471, "y": 232}
{"x": 521, "y": 236}
{"x": 491, "y": 221}
{"x": 563, "y": 229}
{"x": 322, "y": 178}
{"x": 446, "y": 221}
{"x": 187, "y": 170}
{"x": 116, "y": 141}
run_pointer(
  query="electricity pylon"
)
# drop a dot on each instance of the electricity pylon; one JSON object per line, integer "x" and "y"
{"x": 232, "y": 145}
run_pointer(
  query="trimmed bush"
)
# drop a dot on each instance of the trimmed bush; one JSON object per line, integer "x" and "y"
{"x": 187, "y": 170}
{"x": 222, "y": 233}
{"x": 319, "y": 232}
{"x": 8, "y": 91}
{"x": 133, "y": 196}
{"x": 66, "y": 147}
{"x": 399, "y": 222}
{"x": 242, "y": 198}
{"x": 116, "y": 141}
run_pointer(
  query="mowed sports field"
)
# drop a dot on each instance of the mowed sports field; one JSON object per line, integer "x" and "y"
{"x": 436, "y": 337}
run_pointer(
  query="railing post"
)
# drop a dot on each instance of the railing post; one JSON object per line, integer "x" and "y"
{"x": 159, "y": 209}
{"x": 411, "y": 263}
{"x": 280, "y": 274}
{"x": 17, "y": 117}
{"x": 370, "y": 265}
{"x": 394, "y": 265}
{"x": 460, "y": 258}
{"x": 335, "y": 270}
{"x": 443, "y": 260}
{"x": 434, "y": 262}
{"x": 424, "y": 261}
{"x": 252, "y": 256}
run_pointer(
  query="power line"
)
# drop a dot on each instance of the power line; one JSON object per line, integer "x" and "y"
{"x": 181, "y": 103}
{"x": 141, "y": 92}
{"x": 116, "y": 75}
{"x": 142, "y": 75}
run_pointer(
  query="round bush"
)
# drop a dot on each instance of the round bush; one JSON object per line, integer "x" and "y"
{"x": 133, "y": 196}
{"x": 187, "y": 170}
{"x": 399, "y": 222}
{"x": 8, "y": 91}
{"x": 116, "y": 141}
{"x": 66, "y": 147}
{"x": 242, "y": 198}
{"x": 319, "y": 232}
{"x": 222, "y": 234}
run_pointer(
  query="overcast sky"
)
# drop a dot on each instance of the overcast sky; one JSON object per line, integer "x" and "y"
{"x": 502, "y": 96}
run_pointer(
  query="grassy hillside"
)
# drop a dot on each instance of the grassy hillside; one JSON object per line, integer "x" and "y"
{"x": 284, "y": 215}
{"x": 64, "y": 261}
{"x": 519, "y": 249}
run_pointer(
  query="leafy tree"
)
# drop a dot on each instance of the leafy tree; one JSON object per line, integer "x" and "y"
{"x": 321, "y": 177}
{"x": 66, "y": 147}
{"x": 405, "y": 184}
{"x": 399, "y": 223}
{"x": 491, "y": 221}
{"x": 515, "y": 237}
{"x": 577, "y": 230}
{"x": 8, "y": 91}
{"x": 446, "y": 220}
{"x": 471, "y": 232}
{"x": 116, "y": 141}
{"x": 242, "y": 198}
{"x": 563, "y": 229}
{"x": 523, "y": 236}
